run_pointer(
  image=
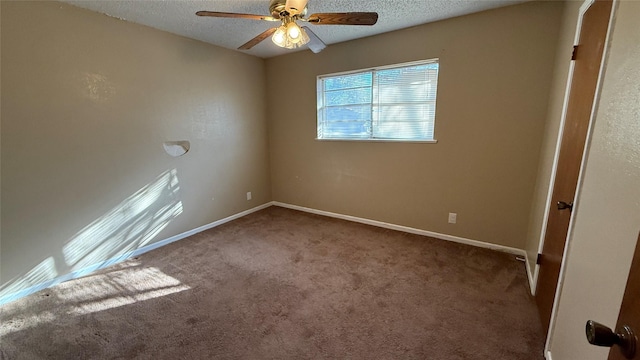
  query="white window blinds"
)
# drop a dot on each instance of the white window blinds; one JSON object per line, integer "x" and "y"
{"x": 391, "y": 103}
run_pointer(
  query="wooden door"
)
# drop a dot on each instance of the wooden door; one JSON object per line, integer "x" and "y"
{"x": 624, "y": 340}
{"x": 588, "y": 58}
{"x": 630, "y": 310}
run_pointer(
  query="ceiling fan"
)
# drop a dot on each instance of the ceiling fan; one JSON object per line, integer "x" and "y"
{"x": 289, "y": 34}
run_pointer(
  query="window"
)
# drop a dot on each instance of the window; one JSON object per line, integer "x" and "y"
{"x": 389, "y": 103}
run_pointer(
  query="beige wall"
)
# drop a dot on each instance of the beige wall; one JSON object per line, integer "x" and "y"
{"x": 607, "y": 219}
{"x": 552, "y": 127}
{"x": 495, "y": 76}
{"x": 88, "y": 101}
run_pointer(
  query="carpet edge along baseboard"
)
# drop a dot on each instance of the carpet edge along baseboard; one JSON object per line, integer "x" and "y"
{"x": 14, "y": 295}
{"x": 8, "y": 295}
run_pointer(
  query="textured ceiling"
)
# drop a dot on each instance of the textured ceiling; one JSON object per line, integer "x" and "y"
{"x": 178, "y": 17}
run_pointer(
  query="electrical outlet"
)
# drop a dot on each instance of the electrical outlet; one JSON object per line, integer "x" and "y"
{"x": 249, "y": 195}
{"x": 453, "y": 217}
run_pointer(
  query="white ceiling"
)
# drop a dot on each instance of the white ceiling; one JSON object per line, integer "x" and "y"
{"x": 178, "y": 17}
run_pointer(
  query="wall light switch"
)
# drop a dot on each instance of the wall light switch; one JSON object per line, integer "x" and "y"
{"x": 453, "y": 217}
{"x": 249, "y": 195}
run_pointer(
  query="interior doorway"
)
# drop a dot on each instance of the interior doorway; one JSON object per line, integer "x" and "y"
{"x": 587, "y": 57}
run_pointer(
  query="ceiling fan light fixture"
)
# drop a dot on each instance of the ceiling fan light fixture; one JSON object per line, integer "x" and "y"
{"x": 280, "y": 36}
{"x": 290, "y": 36}
{"x": 304, "y": 38}
{"x": 294, "y": 32}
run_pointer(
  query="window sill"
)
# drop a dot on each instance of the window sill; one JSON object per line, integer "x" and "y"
{"x": 384, "y": 140}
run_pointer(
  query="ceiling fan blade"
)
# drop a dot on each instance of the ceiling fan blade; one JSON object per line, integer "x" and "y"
{"x": 258, "y": 39}
{"x": 235, "y": 15}
{"x": 295, "y": 7}
{"x": 315, "y": 44}
{"x": 350, "y": 18}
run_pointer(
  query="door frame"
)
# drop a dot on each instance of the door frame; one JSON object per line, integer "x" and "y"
{"x": 583, "y": 8}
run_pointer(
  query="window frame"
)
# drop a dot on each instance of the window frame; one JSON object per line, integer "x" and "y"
{"x": 320, "y": 93}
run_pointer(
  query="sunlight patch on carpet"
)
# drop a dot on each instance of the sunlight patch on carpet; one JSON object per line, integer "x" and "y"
{"x": 22, "y": 322}
{"x": 117, "y": 288}
{"x": 98, "y": 293}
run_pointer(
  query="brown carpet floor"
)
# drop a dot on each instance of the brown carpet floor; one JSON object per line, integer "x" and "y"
{"x": 282, "y": 284}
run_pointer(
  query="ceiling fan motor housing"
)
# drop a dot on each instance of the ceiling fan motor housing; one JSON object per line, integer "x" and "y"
{"x": 277, "y": 9}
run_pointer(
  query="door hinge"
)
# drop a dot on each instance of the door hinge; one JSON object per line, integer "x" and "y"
{"x": 575, "y": 52}
{"x": 539, "y": 259}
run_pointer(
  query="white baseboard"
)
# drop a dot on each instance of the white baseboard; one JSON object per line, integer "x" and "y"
{"x": 202, "y": 228}
{"x": 547, "y": 355}
{"x": 407, "y": 229}
{"x": 87, "y": 270}
{"x": 532, "y": 284}
{"x": 114, "y": 260}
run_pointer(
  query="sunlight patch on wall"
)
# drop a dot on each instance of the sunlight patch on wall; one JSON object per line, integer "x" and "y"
{"x": 109, "y": 239}
{"x": 41, "y": 273}
{"x": 128, "y": 226}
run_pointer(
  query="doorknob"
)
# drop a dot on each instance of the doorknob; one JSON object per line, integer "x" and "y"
{"x": 600, "y": 335}
{"x": 563, "y": 205}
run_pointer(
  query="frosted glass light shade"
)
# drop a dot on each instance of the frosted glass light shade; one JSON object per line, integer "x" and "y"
{"x": 294, "y": 33}
{"x": 290, "y": 36}
{"x": 280, "y": 36}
